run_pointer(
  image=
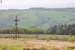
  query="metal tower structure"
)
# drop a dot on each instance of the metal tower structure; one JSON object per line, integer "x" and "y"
{"x": 16, "y": 25}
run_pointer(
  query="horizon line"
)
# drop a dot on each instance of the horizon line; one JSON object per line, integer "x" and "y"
{"x": 37, "y": 8}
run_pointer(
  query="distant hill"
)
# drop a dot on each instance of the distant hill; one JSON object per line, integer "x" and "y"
{"x": 38, "y": 17}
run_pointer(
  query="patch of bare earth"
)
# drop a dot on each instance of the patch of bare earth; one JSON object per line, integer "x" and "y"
{"x": 36, "y": 43}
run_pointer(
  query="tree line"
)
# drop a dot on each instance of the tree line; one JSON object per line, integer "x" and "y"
{"x": 63, "y": 29}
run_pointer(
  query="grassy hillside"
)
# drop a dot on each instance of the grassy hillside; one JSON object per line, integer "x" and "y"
{"x": 38, "y": 17}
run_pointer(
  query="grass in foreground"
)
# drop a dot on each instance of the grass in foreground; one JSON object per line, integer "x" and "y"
{"x": 16, "y": 47}
{"x": 40, "y": 37}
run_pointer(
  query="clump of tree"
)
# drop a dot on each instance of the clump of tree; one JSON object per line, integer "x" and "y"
{"x": 64, "y": 29}
{"x": 33, "y": 30}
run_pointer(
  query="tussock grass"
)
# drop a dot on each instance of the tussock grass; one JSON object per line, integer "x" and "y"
{"x": 39, "y": 37}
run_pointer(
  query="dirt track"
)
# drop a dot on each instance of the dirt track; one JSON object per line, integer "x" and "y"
{"x": 37, "y": 43}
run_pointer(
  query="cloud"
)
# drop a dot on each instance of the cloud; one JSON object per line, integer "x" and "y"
{"x": 37, "y": 3}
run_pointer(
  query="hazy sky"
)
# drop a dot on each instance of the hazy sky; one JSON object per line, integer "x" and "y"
{"x": 24, "y": 4}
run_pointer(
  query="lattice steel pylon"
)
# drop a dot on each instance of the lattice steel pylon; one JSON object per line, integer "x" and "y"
{"x": 16, "y": 26}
